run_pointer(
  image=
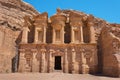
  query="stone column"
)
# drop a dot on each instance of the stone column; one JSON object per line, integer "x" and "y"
{"x": 51, "y": 64}
{"x": 35, "y": 62}
{"x": 53, "y": 38}
{"x": 92, "y": 33}
{"x": 22, "y": 61}
{"x": 66, "y": 62}
{"x": 62, "y": 34}
{"x": 36, "y": 36}
{"x": 44, "y": 38}
{"x": 43, "y": 64}
{"x": 85, "y": 67}
{"x": 25, "y": 35}
{"x": 73, "y": 55}
{"x": 75, "y": 65}
{"x": 81, "y": 34}
{"x": 72, "y": 35}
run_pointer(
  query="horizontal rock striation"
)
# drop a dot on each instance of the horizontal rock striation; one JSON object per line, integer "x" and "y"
{"x": 13, "y": 11}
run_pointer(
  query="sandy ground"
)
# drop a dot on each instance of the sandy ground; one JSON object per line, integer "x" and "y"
{"x": 52, "y": 76}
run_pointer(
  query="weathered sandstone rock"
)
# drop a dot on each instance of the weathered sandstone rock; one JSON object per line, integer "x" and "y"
{"x": 11, "y": 22}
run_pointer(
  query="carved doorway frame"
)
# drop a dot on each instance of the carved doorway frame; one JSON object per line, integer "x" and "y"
{"x": 58, "y": 53}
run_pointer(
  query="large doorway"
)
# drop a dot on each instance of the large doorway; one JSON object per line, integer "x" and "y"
{"x": 57, "y": 63}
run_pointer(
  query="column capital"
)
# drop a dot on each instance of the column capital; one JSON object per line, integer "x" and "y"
{"x": 82, "y": 50}
{"x": 76, "y": 23}
{"x": 52, "y": 51}
{"x": 22, "y": 50}
{"x": 43, "y": 50}
{"x": 92, "y": 32}
{"x": 25, "y": 29}
{"x": 73, "y": 50}
{"x": 65, "y": 50}
{"x": 34, "y": 50}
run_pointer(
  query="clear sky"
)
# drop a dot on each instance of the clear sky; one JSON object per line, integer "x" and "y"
{"x": 108, "y": 10}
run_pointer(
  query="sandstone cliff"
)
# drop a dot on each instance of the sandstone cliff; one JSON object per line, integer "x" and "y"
{"x": 11, "y": 21}
{"x": 12, "y": 12}
{"x": 110, "y": 44}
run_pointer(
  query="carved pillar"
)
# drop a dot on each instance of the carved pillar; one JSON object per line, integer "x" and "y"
{"x": 73, "y": 55}
{"x": 22, "y": 61}
{"x": 81, "y": 34}
{"x": 35, "y": 62}
{"x": 25, "y": 35}
{"x": 66, "y": 62}
{"x": 53, "y": 38}
{"x": 62, "y": 35}
{"x": 85, "y": 67}
{"x": 74, "y": 63}
{"x": 36, "y": 35}
{"x": 43, "y": 64}
{"x": 72, "y": 35}
{"x": 51, "y": 64}
{"x": 92, "y": 33}
{"x": 44, "y": 39}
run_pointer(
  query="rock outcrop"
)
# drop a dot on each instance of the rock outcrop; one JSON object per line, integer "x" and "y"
{"x": 12, "y": 12}
{"x": 11, "y": 22}
{"x": 110, "y": 44}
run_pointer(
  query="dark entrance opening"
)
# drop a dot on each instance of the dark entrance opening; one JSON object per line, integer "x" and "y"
{"x": 57, "y": 63}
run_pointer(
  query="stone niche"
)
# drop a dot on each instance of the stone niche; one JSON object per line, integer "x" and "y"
{"x": 58, "y": 23}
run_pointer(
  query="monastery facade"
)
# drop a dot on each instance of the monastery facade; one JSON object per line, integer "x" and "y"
{"x": 61, "y": 42}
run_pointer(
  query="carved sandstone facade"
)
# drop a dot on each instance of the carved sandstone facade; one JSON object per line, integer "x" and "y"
{"x": 58, "y": 43}
{"x": 71, "y": 41}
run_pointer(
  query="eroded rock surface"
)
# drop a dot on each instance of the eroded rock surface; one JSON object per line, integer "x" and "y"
{"x": 11, "y": 22}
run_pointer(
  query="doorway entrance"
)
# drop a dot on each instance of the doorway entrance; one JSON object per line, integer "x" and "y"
{"x": 57, "y": 63}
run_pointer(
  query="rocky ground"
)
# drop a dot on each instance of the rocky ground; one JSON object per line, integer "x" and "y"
{"x": 52, "y": 76}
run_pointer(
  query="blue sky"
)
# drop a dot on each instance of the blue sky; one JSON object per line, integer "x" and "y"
{"x": 108, "y": 10}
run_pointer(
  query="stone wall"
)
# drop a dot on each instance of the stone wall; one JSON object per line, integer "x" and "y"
{"x": 110, "y": 45}
{"x": 11, "y": 22}
{"x": 7, "y": 48}
{"x": 74, "y": 52}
